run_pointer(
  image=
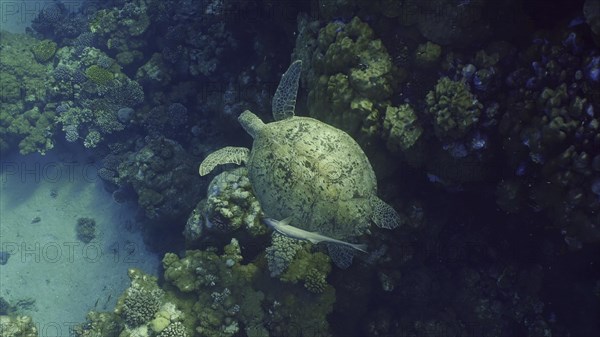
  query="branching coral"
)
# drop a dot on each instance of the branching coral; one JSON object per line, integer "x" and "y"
{"x": 141, "y": 300}
{"x": 281, "y": 253}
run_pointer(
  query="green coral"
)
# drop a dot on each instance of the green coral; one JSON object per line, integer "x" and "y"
{"x": 453, "y": 109}
{"x": 402, "y": 129}
{"x": 351, "y": 77}
{"x": 306, "y": 262}
{"x": 231, "y": 203}
{"x": 11, "y": 88}
{"x": 44, "y": 50}
{"x": 92, "y": 139}
{"x": 315, "y": 281}
{"x": 107, "y": 120}
{"x": 35, "y": 129}
{"x": 17, "y": 326}
{"x": 99, "y": 75}
{"x": 427, "y": 54}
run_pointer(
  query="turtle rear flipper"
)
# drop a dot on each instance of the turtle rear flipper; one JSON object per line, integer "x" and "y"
{"x": 384, "y": 216}
{"x": 341, "y": 255}
{"x": 226, "y": 155}
{"x": 284, "y": 100}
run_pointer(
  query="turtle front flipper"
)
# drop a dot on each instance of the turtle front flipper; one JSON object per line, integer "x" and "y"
{"x": 384, "y": 215}
{"x": 284, "y": 100}
{"x": 226, "y": 155}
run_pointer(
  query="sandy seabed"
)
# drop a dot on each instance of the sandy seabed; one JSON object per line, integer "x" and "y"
{"x": 53, "y": 275}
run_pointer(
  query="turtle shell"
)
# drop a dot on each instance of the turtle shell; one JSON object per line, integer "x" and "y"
{"x": 314, "y": 173}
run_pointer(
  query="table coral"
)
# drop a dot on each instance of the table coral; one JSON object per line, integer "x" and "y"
{"x": 99, "y": 75}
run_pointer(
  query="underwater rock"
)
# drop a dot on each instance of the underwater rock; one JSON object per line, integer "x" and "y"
{"x": 4, "y": 256}
{"x": 86, "y": 229}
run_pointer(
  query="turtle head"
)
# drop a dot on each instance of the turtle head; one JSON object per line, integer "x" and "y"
{"x": 251, "y": 123}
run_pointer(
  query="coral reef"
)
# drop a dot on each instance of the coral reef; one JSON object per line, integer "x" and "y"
{"x": 26, "y": 119}
{"x": 91, "y": 90}
{"x": 350, "y": 75}
{"x": 427, "y": 54}
{"x": 160, "y": 172}
{"x": 121, "y": 29}
{"x": 550, "y": 133}
{"x": 232, "y": 296}
{"x": 226, "y": 298}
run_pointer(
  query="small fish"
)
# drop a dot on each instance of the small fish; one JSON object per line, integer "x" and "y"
{"x": 284, "y": 228}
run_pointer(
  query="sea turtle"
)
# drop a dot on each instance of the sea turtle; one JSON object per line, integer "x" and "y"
{"x": 309, "y": 171}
